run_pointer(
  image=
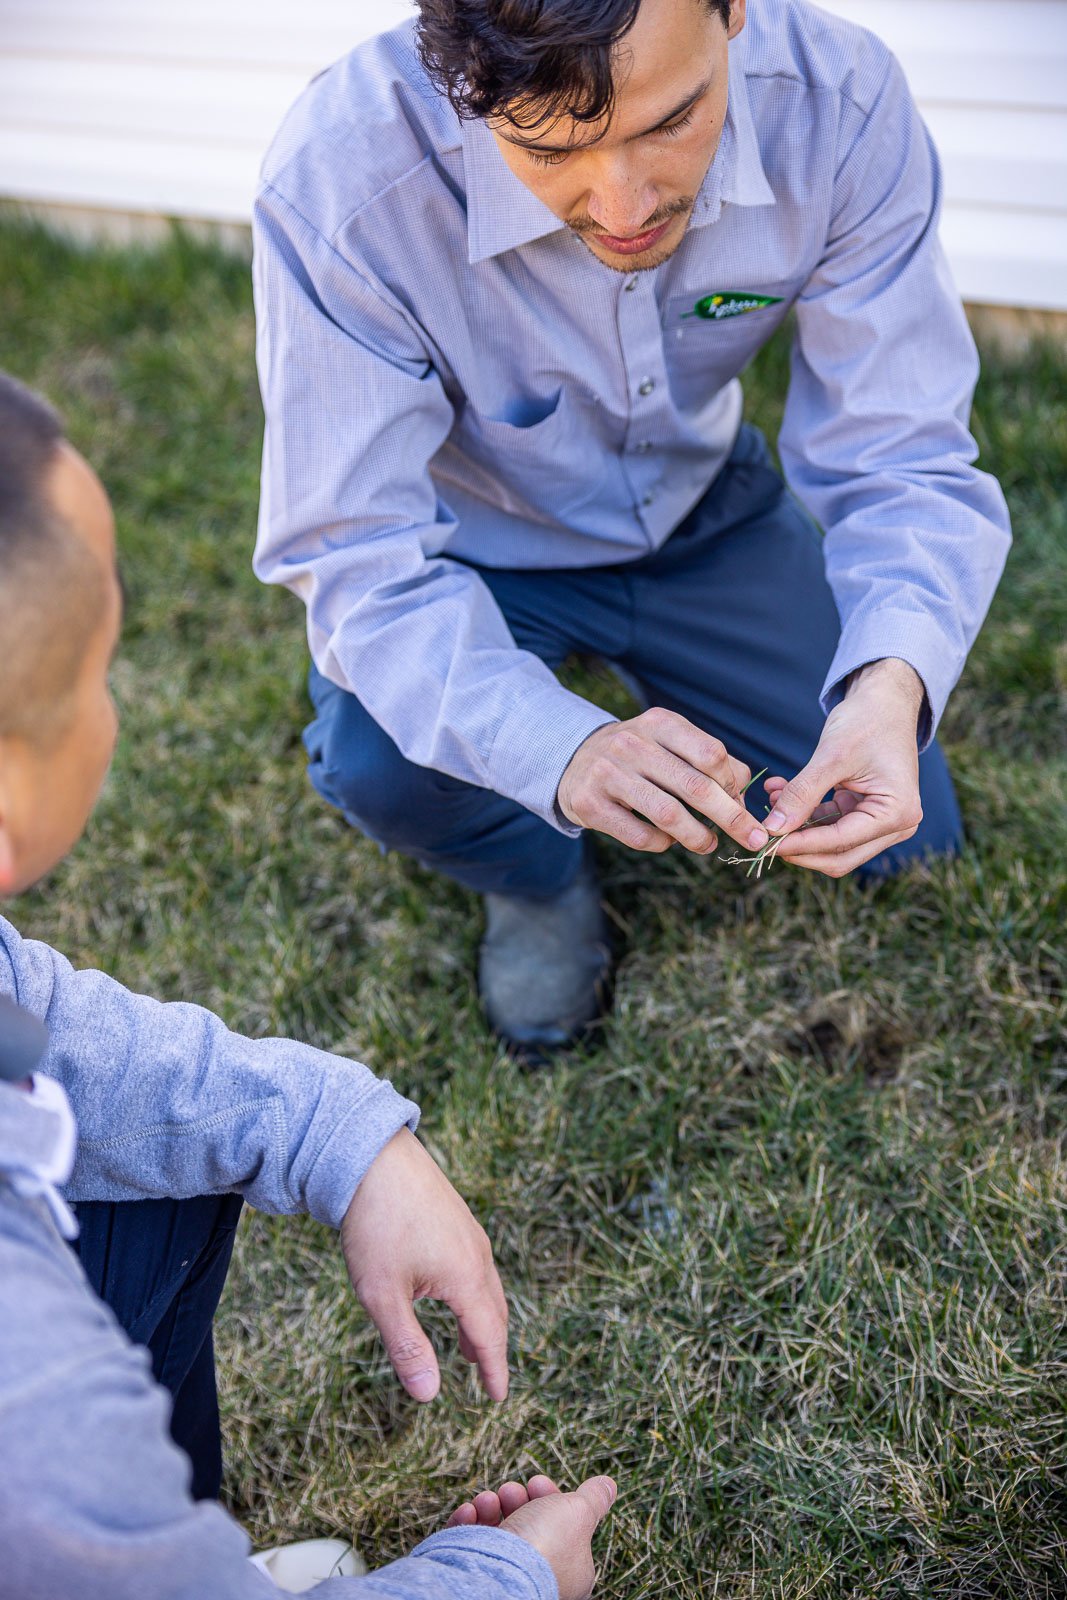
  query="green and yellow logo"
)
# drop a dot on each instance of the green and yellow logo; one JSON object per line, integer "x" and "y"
{"x": 730, "y": 303}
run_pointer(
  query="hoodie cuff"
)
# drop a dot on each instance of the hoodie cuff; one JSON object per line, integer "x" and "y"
{"x": 353, "y": 1145}
{"x": 515, "y": 1568}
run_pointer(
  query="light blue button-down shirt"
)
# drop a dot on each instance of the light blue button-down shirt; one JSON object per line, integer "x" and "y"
{"x": 448, "y": 372}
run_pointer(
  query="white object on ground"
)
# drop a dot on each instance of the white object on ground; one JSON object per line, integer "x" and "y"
{"x": 296, "y": 1567}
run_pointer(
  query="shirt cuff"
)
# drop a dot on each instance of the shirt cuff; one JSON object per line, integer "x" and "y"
{"x": 520, "y": 1571}
{"x": 352, "y": 1147}
{"x": 907, "y": 636}
{"x": 534, "y": 745}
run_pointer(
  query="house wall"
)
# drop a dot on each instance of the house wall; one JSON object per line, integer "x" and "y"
{"x": 140, "y": 107}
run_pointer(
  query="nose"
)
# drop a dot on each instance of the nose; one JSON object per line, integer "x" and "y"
{"x": 621, "y": 201}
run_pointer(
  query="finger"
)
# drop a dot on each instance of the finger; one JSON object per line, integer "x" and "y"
{"x": 464, "y": 1516}
{"x": 742, "y": 774}
{"x": 499, "y": 1300}
{"x": 699, "y": 750}
{"x": 483, "y": 1332}
{"x": 839, "y": 866}
{"x": 859, "y": 828}
{"x": 666, "y": 812}
{"x": 619, "y": 823}
{"x": 512, "y": 1495}
{"x": 407, "y": 1347}
{"x": 840, "y": 848}
{"x": 846, "y": 800}
{"x": 666, "y": 770}
{"x": 598, "y": 1495}
{"x": 487, "y": 1505}
{"x": 540, "y": 1485}
{"x": 794, "y": 804}
{"x": 828, "y": 812}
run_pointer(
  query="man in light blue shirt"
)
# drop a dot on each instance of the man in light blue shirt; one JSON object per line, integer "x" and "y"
{"x": 509, "y": 264}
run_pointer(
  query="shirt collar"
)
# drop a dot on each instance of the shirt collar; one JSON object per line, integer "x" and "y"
{"x": 744, "y": 182}
{"x": 503, "y": 214}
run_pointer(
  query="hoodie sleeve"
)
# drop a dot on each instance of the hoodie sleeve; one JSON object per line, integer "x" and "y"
{"x": 169, "y": 1102}
{"x": 94, "y": 1496}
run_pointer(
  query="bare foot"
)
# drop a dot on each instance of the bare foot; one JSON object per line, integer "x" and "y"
{"x": 489, "y": 1509}
{"x": 560, "y": 1526}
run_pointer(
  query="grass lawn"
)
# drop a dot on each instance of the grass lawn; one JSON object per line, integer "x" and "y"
{"x": 786, "y": 1251}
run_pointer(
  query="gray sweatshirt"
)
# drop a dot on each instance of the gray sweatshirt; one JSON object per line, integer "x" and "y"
{"x": 94, "y": 1497}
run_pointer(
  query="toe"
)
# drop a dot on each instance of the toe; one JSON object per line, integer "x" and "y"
{"x": 487, "y": 1506}
{"x": 512, "y": 1495}
{"x": 539, "y": 1486}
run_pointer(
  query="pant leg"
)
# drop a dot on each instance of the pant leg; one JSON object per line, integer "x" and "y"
{"x": 161, "y": 1266}
{"x": 485, "y": 842}
{"x": 735, "y": 628}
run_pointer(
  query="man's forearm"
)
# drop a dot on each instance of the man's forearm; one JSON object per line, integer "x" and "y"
{"x": 170, "y": 1102}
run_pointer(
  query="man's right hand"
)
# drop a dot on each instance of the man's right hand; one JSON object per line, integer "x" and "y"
{"x": 560, "y": 1526}
{"x": 636, "y": 780}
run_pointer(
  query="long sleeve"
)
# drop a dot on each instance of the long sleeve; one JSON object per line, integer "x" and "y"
{"x": 169, "y": 1102}
{"x": 94, "y": 1497}
{"x": 875, "y": 439}
{"x": 350, "y": 521}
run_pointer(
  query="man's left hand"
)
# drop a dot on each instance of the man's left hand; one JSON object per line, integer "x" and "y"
{"x": 868, "y": 756}
{"x": 407, "y": 1235}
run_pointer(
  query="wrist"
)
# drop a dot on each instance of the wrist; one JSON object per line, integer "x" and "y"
{"x": 889, "y": 675}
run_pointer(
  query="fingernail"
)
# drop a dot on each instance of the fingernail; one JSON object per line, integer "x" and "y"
{"x": 422, "y": 1386}
{"x": 757, "y": 839}
{"x": 777, "y": 820}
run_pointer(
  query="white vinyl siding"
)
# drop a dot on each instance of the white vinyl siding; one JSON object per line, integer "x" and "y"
{"x": 166, "y": 106}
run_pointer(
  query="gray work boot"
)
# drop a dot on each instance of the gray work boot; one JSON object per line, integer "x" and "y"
{"x": 544, "y": 968}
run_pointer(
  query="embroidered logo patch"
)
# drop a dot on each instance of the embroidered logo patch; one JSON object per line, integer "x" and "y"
{"x": 730, "y": 303}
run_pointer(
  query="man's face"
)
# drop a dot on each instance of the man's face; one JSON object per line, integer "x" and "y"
{"x": 627, "y": 186}
{"x": 48, "y": 788}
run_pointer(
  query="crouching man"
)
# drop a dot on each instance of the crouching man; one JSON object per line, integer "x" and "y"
{"x": 156, "y": 1122}
{"x": 510, "y": 261}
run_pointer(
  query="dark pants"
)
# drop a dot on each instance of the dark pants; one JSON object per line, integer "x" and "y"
{"x": 161, "y": 1265}
{"x": 731, "y": 623}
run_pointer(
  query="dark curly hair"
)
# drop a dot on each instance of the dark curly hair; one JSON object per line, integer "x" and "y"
{"x": 529, "y": 61}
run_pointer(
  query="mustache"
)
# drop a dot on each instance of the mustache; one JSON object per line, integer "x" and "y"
{"x": 662, "y": 214}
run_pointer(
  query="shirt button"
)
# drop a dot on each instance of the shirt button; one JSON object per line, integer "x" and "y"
{"x": 643, "y": 447}
{"x": 631, "y": 285}
{"x": 646, "y": 386}
{"x": 647, "y": 499}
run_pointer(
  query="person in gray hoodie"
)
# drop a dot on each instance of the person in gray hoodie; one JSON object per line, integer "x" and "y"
{"x": 154, "y": 1122}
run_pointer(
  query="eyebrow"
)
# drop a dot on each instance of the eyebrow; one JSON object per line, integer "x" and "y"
{"x": 566, "y": 149}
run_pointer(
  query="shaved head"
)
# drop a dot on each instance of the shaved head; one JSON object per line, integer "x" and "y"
{"x": 52, "y": 587}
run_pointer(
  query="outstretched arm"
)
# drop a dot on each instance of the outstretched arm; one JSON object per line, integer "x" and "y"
{"x": 94, "y": 1499}
{"x": 169, "y": 1102}
{"x": 875, "y": 441}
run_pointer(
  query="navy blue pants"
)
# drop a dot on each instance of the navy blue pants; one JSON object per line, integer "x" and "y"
{"x": 731, "y": 623}
{"x": 161, "y": 1266}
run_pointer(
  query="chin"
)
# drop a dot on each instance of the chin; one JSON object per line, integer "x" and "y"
{"x": 648, "y": 259}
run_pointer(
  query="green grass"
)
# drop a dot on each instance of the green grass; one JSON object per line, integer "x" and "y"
{"x": 786, "y": 1250}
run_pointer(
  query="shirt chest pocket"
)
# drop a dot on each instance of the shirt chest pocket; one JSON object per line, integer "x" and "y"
{"x": 704, "y": 353}
{"x": 540, "y": 468}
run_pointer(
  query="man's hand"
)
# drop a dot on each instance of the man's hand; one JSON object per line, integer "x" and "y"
{"x": 868, "y": 756}
{"x": 408, "y": 1236}
{"x": 634, "y": 780}
{"x": 560, "y": 1525}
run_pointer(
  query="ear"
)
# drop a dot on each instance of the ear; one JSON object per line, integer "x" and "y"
{"x": 737, "y": 18}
